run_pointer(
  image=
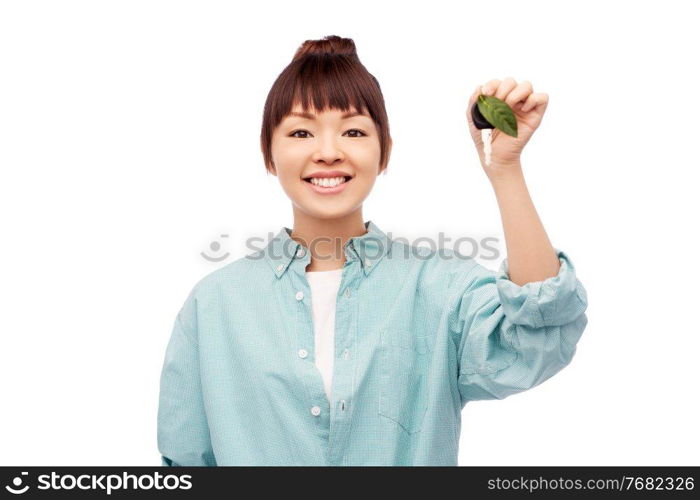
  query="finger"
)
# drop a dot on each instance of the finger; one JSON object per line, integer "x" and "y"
{"x": 472, "y": 100}
{"x": 505, "y": 87}
{"x": 475, "y": 95}
{"x": 533, "y": 100}
{"x": 518, "y": 94}
{"x": 490, "y": 87}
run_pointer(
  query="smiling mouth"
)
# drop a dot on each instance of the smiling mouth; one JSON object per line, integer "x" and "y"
{"x": 347, "y": 178}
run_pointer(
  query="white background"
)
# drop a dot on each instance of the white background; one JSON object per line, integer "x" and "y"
{"x": 129, "y": 140}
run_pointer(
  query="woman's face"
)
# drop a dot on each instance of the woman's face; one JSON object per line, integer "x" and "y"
{"x": 304, "y": 146}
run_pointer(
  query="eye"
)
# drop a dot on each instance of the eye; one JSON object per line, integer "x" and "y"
{"x": 293, "y": 134}
{"x": 356, "y": 130}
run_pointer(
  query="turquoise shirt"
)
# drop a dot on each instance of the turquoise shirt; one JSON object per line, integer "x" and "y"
{"x": 418, "y": 334}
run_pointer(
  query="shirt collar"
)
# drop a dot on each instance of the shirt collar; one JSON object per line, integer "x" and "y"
{"x": 368, "y": 248}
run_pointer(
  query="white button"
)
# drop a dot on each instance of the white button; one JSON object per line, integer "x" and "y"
{"x": 368, "y": 263}
{"x": 300, "y": 252}
{"x": 315, "y": 411}
{"x": 280, "y": 267}
{"x": 303, "y": 353}
{"x": 347, "y": 292}
{"x": 300, "y": 295}
{"x": 346, "y": 354}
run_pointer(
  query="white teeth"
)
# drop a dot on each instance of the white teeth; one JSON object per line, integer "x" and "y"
{"x": 327, "y": 181}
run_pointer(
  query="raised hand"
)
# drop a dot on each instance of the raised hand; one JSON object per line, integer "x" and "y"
{"x": 528, "y": 107}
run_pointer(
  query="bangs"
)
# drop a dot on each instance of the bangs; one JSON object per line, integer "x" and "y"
{"x": 326, "y": 83}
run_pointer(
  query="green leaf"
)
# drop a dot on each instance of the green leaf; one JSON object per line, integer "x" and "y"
{"x": 498, "y": 114}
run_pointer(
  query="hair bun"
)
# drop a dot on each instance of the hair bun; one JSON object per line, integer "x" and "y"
{"x": 329, "y": 45}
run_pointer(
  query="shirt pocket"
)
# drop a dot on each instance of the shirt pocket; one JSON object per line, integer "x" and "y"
{"x": 403, "y": 395}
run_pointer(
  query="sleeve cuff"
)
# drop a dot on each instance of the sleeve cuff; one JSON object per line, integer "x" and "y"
{"x": 555, "y": 301}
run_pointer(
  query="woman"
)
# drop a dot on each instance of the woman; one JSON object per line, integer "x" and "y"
{"x": 376, "y": 369}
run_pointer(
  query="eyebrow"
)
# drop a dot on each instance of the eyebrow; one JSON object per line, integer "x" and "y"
{"x": 309, "y": 116}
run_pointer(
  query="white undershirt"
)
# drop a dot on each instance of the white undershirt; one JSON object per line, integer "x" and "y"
{"x": 324, "y": 290}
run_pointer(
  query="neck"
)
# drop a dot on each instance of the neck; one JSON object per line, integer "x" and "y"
{"x": 325, "y": 238}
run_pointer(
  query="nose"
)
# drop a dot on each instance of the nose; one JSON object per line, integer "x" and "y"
{"x": 328, "y": 150}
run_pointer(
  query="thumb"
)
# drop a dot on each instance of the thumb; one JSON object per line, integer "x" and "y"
{"x": 472, "y": 100}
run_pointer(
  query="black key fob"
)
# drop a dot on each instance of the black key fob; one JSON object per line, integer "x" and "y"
{"x": 479, "y": 121}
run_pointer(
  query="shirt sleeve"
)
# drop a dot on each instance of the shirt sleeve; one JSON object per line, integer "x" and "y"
{"x": 183, "y": 432}
{"x": 512, "y": 338}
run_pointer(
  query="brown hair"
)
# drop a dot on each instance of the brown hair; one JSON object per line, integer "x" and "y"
{"x": 328, "y": 73}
